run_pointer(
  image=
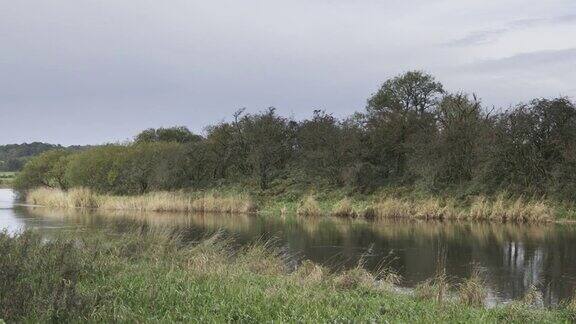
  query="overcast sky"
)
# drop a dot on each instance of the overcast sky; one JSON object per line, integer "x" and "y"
{"x": 95, "y": 71}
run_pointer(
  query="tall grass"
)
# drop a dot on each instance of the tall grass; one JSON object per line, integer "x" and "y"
{"x": 481, "y": 208}
{"x": 500, "y": 208}
{"x": 344, "y": 208}
{"x": 39, "y": 279}
{"x": 309, "y": 206}
{"x": 150, "y": 274}
{"x": 473, "y": 291}
{"x": 154, "y": 202}
{"x": 435, "y": 288}
{"x": 504, "y": 209}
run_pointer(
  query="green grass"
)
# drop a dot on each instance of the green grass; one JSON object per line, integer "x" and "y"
{"x": 141, "y": 274}
{"x": 6, "y": 179}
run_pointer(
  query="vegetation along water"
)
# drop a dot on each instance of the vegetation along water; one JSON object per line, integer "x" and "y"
{"x": 89, "y": 265}
{"x": 425, "y": 207}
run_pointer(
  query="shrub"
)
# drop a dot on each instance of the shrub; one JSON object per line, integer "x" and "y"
{"x": 38, "y": 279}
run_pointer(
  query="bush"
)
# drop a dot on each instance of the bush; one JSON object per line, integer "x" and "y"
{"x": 48, "y": 295}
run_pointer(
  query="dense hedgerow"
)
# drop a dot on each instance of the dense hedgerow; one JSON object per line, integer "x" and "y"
{"x": 412, "y": 133}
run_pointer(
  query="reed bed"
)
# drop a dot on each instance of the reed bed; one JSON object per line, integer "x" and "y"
{"x": 481, "y": 208}
{"x": 504, "y": 209}
{"x": 151, "y": 202}
{"x": 431, "y": 208}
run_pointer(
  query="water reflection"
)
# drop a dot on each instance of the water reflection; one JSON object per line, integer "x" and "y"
{"x": 513, "y": 257}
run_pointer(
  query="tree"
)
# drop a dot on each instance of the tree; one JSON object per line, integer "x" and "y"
{"x": 178, "y": 134}
{"x": 100, "y": 168}
{"x": 227, "y": 149}
{"x": 534, "y": 145}
{"x": 326, "y": 147}
{"x": 45, "y": 170}
{"x": 414, "y": 91}
{"x": 455, "y": 154}
{"x": 269, "y": 142}
{"x": 400, "y": 117}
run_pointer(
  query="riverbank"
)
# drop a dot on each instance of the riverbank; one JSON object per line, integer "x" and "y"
{"x": 382, "y": 205}
{"x": 149, "y": 274}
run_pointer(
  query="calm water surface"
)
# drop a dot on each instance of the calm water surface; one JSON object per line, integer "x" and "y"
{"x": 512, "y": 257}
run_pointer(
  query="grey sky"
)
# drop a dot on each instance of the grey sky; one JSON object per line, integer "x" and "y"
{"x": 94, "y": 71}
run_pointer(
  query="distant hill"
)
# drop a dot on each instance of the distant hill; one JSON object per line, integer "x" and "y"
{"x": 14, "y": 156}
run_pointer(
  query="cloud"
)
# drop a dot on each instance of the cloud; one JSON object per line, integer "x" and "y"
{"x": 478, "y": 37}
{"x": 524, "y": 61}
{"x": 97, "y": 71}
{"x": 485, "y": 36}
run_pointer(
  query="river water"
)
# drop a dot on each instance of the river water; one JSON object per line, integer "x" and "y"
{"x": 511, "y": 257}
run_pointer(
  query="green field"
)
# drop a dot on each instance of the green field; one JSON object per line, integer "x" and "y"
{"x": 6, "y": 179}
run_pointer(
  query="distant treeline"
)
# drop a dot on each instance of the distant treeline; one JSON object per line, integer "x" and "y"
{"x": 412, "y": 133}
{"x": 13, "y": 157}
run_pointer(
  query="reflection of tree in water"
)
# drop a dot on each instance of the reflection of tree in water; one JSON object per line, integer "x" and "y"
{"x": 512, "y": 257}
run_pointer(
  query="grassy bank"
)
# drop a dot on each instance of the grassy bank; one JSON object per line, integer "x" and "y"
{"x": 6, "y": 179}
{"x": 500, "y": 208}
{"x": 150, "y": 275}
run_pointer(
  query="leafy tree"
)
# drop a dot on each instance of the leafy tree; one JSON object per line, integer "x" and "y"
{"x": 328, "y": 148}
{"x": 99, "y": 168}
{"x": 47, "y": 169}
{"x": 268, "y": 139}
{"x": 14, "y": 156}
{"x": 414, "y": 91}
{"x": 179, "y": 134}
{"x": 456, "y": 152}
{"x": 400, "y": 116}
{"x": 227, "y": 148}
{"x": 534, "y": 145}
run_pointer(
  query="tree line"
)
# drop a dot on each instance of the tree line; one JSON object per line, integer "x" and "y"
{"x": 13, "y": 157}
{"x": 412, "y": 133}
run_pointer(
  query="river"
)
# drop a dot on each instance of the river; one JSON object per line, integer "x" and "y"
{"x": 511, "y": 257}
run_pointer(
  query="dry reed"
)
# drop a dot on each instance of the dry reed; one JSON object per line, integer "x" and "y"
{"x": 309, "y": 206}
{"x": 481, "y": 208}
{"x": 153, "y": 202}
{"x": 344, "y": 208}
{"x": 473, "y": 292}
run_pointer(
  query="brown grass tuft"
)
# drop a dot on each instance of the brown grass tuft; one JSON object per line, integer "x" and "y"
{"x": 309, "y": 206}
{"x": 355, "y": 278}
{"x": 473, "y": 292}
{"x": 435, "y": 288}
{"x": 533, "y": 297}
{"x": 344, "y": 209}
{"x": 309, "y": 273}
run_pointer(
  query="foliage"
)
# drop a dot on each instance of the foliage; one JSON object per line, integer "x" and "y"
{"x": 13, "y": 157}
{"x": 47, "y": 169}
{"x": 39, "y": 279}
{"x": 178, "y": 134}
{"x": 413, "y": 134}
